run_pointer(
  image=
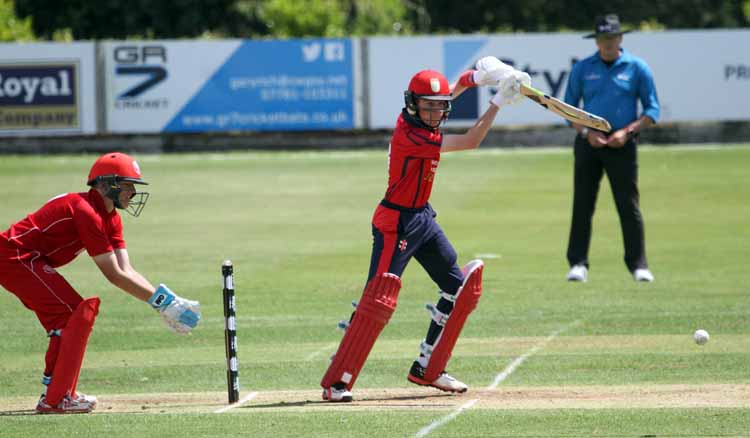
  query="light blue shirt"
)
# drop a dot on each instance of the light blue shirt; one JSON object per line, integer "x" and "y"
{"x": 613, "y": 92}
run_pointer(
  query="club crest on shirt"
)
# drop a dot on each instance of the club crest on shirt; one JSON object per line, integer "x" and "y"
{"x": 623, "y": 77}
{"x": 430, "y": 176}
{"x": 402, "y": 245}
{"x": 49, "y": 269}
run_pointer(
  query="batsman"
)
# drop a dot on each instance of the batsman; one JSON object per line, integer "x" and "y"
{"x": 68, "y": 224}
{"x": 404, "y": 226}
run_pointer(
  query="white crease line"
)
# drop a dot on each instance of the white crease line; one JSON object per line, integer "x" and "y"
{"x": 435, "y": 424}
{"x": 317, "y": 353}
{"x": 244, "y": 399}
{"x": 522, "y": 358}
{"x": 498, "y": 379}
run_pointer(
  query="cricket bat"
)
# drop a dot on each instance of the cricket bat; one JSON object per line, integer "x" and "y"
{"x": 568, "y": 112}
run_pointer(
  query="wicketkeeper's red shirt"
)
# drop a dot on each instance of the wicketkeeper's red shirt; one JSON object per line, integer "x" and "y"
{"x": 65, "y": 226}
{"x": 413, "y": 158}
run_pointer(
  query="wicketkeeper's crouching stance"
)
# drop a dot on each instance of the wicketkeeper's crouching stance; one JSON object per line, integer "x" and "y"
{"x": 53, "y": 236}
{"x": 404, "y": 226}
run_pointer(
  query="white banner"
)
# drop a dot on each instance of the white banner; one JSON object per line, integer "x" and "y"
{"x": 147, "y": 82}
{"x": 47, "y": 89}
{"x": 699, "y": 75}
{"x": 233, "y": 85}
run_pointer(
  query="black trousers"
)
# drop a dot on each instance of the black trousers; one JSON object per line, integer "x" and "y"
{"x": 621, "y": 166}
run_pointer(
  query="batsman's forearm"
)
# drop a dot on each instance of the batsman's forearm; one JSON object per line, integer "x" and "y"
{"x": 478, "y": 132}
{"x": 457, "y": 89}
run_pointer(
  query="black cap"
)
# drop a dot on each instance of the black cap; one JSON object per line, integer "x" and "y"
{"x": 607, "y": 25}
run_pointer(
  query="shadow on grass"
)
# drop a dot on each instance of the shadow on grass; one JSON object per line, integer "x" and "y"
{"x": 384, "y": 401}
{"x": 18, "y": 413}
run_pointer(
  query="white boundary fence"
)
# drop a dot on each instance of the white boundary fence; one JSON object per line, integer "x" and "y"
{"x": 165, "y": 86}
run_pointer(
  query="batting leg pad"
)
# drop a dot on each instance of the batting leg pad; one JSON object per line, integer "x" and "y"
{"x": 467, "y": 298}
{"x": 374, "y": 310}
{"x": 73, "y": 341}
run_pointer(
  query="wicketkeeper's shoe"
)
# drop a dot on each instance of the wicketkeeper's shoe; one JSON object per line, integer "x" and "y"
{"x": 578, "y": 273}
{"x": 81, "y": 397}
{"x": 444, "y": 382}
{"x": 337, "y": 393}
{"x": 66, "y": 406}
{"x": 643, "y": 274}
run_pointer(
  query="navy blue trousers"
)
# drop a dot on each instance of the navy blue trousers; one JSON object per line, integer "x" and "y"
{"x": 400, "y": 234}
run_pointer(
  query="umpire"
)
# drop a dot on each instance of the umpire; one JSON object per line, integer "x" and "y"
{"x": 610, "y": 82}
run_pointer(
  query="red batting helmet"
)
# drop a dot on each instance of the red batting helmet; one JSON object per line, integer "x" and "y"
{"x": 428, "y": 85}
{"x": 113, "y": 168}
{"x": 117, "y": 165}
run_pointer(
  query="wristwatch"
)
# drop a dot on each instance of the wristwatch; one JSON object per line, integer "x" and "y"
{"x": 584, "y": 132}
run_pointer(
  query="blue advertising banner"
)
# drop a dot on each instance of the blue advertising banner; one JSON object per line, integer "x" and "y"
{"x": 275, "y": 86}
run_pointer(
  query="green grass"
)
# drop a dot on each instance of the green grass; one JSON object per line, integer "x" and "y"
{"x": 297, "y": 226}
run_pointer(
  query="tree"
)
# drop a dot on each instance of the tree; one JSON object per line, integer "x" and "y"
{"x": 213, "y": 18}
{"x": 133, "y": 18}
{"x": 329, "y": 18}
{"x": 466, "y": 16}
{"x": 102, "y": 19}
{"x": 11, "y": 27}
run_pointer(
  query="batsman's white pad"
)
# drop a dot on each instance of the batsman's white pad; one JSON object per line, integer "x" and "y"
{"x": 467, "y": 298}
{"x": 373, "y": 312}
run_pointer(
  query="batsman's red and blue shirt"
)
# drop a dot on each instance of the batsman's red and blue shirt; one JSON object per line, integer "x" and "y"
{"x": 403, "y": 225}
{"x": 65, "y": 226}
{"x": 413, "y": 159}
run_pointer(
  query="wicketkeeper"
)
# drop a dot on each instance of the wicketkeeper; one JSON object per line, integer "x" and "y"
{"x": 404, "y": 226}
{"x": 53, "y": 236}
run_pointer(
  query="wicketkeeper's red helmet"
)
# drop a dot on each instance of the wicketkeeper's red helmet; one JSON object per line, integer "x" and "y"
{"x": 114, "y": 168}
{"x": 428, "y": 85}
{"x": 116, "y": 165}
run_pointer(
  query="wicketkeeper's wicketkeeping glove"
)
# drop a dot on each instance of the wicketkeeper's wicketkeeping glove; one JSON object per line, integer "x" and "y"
{"x": 180, "y": 315}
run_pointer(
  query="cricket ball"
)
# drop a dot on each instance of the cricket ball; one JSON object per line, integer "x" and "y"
{"x": 700, "y": 337}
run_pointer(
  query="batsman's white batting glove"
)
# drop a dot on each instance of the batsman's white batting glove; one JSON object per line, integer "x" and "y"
{"x": 509, "y": 90}
{"x": 180, "y": 315}
{"x": 491, "y": 71}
